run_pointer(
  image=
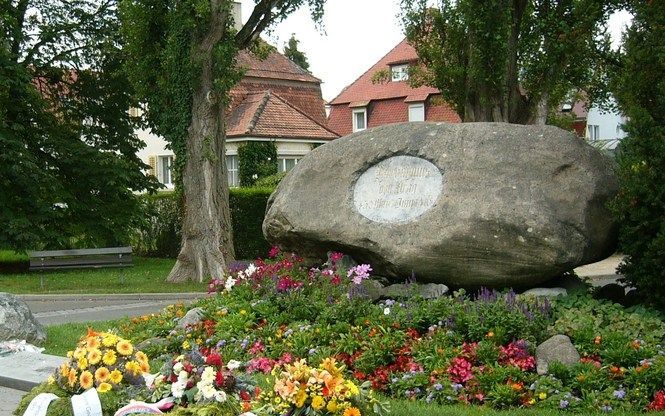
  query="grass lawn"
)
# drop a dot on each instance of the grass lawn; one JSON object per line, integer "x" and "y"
{"x": 146, "y": 276}
{"x": 63, "y": 338}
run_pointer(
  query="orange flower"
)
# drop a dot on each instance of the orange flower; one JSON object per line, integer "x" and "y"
{"x": 72, "y": 377}
{"x": 597, "y": 340}
{"x": 516, "y": 386}
{"x": 352, "y": 411}
{"x": 86, "y": 380}
{"x": 102, "y": 374}
{"x": 94, "y": 356}
{"x": 141, "y": 357}
{"x": 116, "y": 376}
{"x": 145, "y": 367}
{"x": 124, "y": 347}
{"x": 92, "y": 343}
{"x": 490, "y": 334}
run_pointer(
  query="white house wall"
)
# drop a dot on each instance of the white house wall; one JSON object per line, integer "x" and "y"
{"x": 609, "y": 126}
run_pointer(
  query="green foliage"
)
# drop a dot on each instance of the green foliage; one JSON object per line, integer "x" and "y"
{"x": 291, "y": 51}
{"x": 68, "y": 158}
{"x": 256, "y": 160}
{"x": 110, "y": 401}
{"x": 639, "y": 86}
{"x": 498, "y": 60}
{"x": 159, "y": 234}
{"x": 270, "y": 181}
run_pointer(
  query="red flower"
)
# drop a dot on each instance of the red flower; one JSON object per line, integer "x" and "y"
{"x": 214, "y": 359}
{"x": 658, "y": 402}
{"x": 244, "y": 395}
{"x": 219, "y": 379}
{"x": 274, "y": 251}
{"x": 460, "y": 370}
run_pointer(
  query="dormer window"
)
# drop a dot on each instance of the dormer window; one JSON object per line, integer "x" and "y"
{"x": 399, "y": 72}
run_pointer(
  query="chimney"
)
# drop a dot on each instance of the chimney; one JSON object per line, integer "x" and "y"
{"x": 237, "y": 15}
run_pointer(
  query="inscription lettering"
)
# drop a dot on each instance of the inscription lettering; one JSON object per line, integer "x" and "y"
{"x": 397, "y": 189}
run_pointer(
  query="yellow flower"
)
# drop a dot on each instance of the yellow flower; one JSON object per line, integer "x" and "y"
{"x": 94, "y": 356}
{"x": 109, "y": 340}
{"x": 300, "y": 398}
{"x": 92, "y": 343}
{"x": 82, "y": 363}
{"x": 542, "y": 396}
{"x": 109, "y": 357}
{"x": 352, "y": 411}
{"x": 64, "y": 370}
{"x": 86, "y": 380}
{"x": 104, "y": 387}
{"x": 102, "y": 374}
{"x": 78, "y": 353}
{"x": 72, "y": 377}
{"x": 185, "y": 345}
{"x": 145, "y": 367}
{"x": 124, "y": 347}
{"x": 116, "y": 376}
{"x": 50, "y": 379}
{"x": 141, "y": 357}
{"x": 353, "y": 389}
{"x": 332, "y": 406}
{"x": 133, "y": 367}
{"x": 70, "y": 354}
{"x": 318, "y": 403}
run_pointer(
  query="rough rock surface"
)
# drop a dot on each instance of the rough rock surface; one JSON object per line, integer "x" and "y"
{"x": 192, "y": 317}
{"x": 557, "y": 348}
{"x": 469, "y": 204}
{"x": 549, "y": 292}
{"x": 425, "y": 290}
{"x": 17, "y": 322}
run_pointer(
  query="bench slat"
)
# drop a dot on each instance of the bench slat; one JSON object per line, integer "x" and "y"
{"x": 97, "y": 266}
{"x": 83, "y": 261}
{"x": 81, "y": 252}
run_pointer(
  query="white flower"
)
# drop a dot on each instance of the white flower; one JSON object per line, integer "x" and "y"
{"x": 230, "y": 282}
{"x": 386, "y": 311}
{"x": 178, "y": 389}
{"x": 255, "y": 176}
{"x": 208, "y": 391}
{"x": 208, "y": 375}
{"x": 177, "y": 367}
{"x": 220, "y": 396}
{"x": 183, "y": 376}
{"x": 233, "y": 364}
{"x": 251, "y": 269}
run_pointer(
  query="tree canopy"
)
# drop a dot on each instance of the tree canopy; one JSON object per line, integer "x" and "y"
{"x": 68, "y": 162}
{"x": 182, "y": 62}
{"x": 291, "y": 51}
{"x": 508, "y": 60}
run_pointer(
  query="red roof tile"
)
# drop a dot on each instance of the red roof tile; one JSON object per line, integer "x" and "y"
{"x": 363, "y": 89}
{"x": 265, "y": 114}
{"x": 275, "y": 65}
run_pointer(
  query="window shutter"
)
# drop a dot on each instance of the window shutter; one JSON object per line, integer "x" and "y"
{"x": 152, "y": 161}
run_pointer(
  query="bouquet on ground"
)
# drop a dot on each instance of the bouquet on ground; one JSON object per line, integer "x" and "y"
{"x": 102, "y": 360}
{"x": 298, "y": 389}
{"x": 198, "y": 379}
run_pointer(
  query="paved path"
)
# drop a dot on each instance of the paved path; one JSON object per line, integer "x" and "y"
{"x": 9, "y": 399}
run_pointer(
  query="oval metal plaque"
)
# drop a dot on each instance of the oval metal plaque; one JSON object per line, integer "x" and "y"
{"x": 397, "y": 189}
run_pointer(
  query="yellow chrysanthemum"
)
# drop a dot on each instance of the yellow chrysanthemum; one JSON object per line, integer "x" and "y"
{"x": 82, "y": 363}
{"x": 70, "y": 354}
{"x": 141, "y": 357}
{"x": 318, "y": 403}
{"x": 94, "y": 356}
{"x": 64, "y": 370}
{"x": 133, "y": 367}
{"x": 352, "y": 411}
{"x": 109, "y": 340}
{"x": 86, "y": 380}
{"x": 92, "y": 343}
{"x": 116, "y": 376}
{"x": 72, "y": 377}
{"x": 353, "y": 389}
{"x": 300, "y": 398}
{"x": 50, "y": 379}
{"x": 332, "y": 406}
{"x": 124, "y": 347}
{"x": 104, "y": 387}
{"x": 78, "y": 353}
{"x": 109, "y": 357}
{"x": 145, "y": 367}
{"x": 102, "y": 374}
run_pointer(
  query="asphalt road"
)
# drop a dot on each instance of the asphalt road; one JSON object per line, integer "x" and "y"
{"x": 9, "y": 400}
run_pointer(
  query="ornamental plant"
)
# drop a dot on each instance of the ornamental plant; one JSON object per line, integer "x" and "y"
{"x": 300, "y": 389}
{"x": 102, "y": 360}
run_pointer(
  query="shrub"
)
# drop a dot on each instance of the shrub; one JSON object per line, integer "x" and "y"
{"x": 640, "y": 206}
{"x": 256, "y": 160}
{"x": 160, "y": 234}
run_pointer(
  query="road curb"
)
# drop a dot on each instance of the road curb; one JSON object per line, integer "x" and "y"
{"x": 111, "y": 296}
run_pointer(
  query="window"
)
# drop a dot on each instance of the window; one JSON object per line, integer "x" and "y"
{"x": 165, "y": 166}
{"x": 285, "y": 164}
{"x": 232, "y": 170}
{"x": 594, "y": 131}
{"x": 359, "y": 119}
{"x": 399, "y": 72}
{"x": 417, "y": 112}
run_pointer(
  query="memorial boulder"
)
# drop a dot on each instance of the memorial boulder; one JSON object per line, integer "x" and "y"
{"x": 471, "y": 204}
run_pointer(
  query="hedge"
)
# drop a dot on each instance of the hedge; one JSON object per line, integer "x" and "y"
{"x": 159, "y": 236}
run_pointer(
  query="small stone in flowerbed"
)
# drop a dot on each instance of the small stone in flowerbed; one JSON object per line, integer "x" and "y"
{"x": 556, "y": 349}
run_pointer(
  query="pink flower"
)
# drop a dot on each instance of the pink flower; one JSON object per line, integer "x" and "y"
{"x": 274, "y": 251}
{"x": 460, "y": 370}
{"x": 335, "y": 256}
{"x": 358, "y": 273}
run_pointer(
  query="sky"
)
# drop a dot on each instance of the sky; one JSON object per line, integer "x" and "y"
{"x": 357, "y": 34}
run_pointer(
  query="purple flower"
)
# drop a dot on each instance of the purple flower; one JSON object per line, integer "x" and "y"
{"x": 456, "y": 387}
{"x": 359, "y": 272}
{"x": 563, "y": 404}
{"x": 438, "y": 386}
{"x": 389, "y": 302}
{"x": 619, "y": 394}
{"x": 606, "y": 408}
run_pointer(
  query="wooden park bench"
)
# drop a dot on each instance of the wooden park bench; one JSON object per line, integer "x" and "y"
{"x": 81, "y": 258}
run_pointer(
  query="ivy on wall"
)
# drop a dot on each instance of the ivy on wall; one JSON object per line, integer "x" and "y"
{"x": 256, "y": 160}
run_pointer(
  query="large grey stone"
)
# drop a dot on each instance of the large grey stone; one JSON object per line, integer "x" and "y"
{"x": 468, "y": 204}
{"x": 548, "y": 292}
{"x": 557, "y": 348}
{"x": 17, "y": 322}
{"x": 192, "y": 317}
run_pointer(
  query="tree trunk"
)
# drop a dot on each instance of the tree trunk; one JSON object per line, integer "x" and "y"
{"x": 207, "y": 239}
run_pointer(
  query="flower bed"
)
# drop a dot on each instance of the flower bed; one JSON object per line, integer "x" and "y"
{"x": 306, "y": 328}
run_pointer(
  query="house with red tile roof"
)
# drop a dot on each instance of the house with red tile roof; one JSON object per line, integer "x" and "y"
{"x": 367, "y": 103}
{"x": 275, "y": 101}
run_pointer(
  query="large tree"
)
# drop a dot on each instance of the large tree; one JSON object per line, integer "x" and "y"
{"x": 68, "y": 163}
{"x": 508, "y": 60}
{"x": 639, "y": 86}
{"x": 182, "y": 58}
{"x": 292, "y": 52}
